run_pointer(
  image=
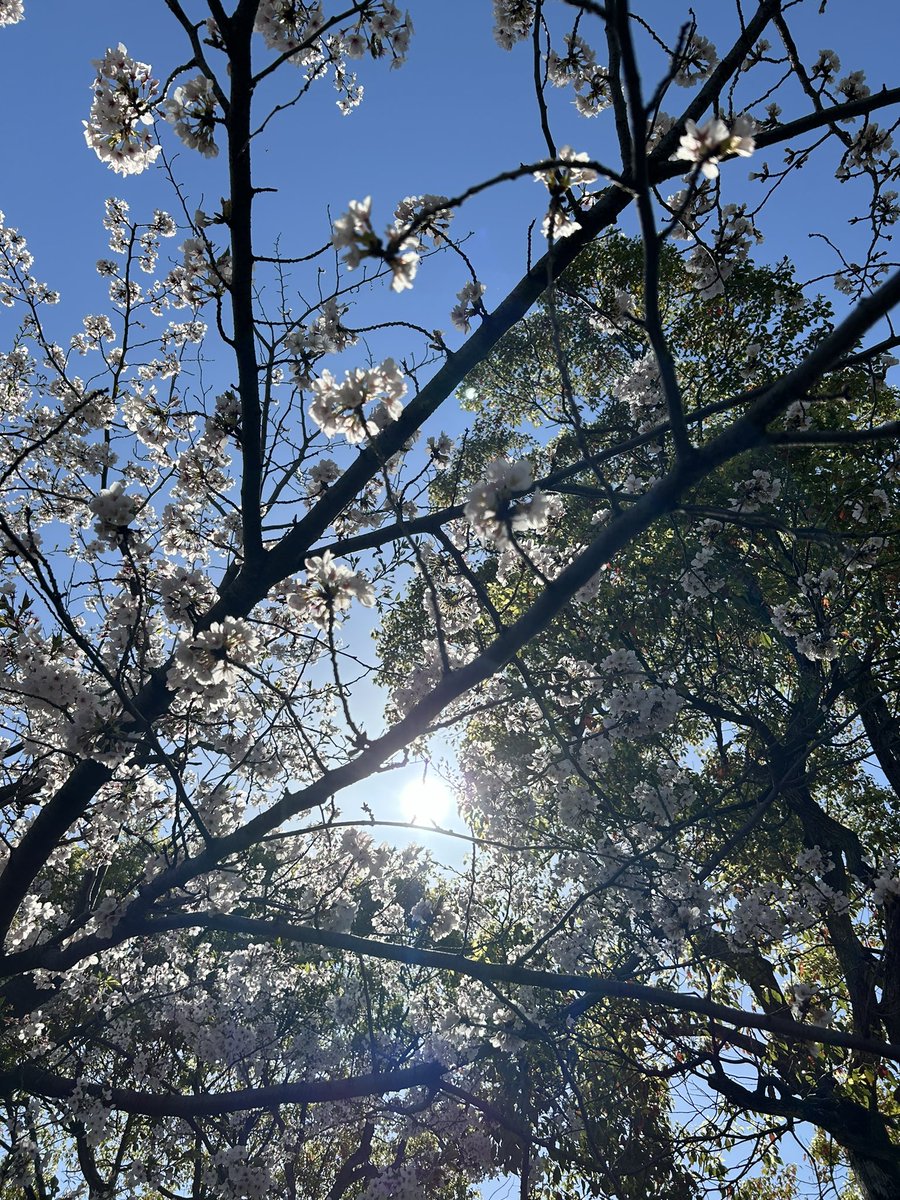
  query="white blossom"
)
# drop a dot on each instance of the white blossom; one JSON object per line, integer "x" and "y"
{"x": 440, "y": 449}
{"x": 567, "y": 173}
{"x": 578, "y": 68}
{"x": 210, "y": 660}
{"x": 512, "y": 21}
{"x": 887, "y": 883}
{"x": 431, "y": 218}
{"x": 114, "y": 510}
{"x": 490, "y": 507}
{"x": 826, "y": 65}
{"x": 643, "y": 392}
{"x": 696, "y": 581}
{"x": 469, "y": 298}
{"x": 696, "y": 60}
{"x": 853, "y": 87}
{"x": 339, "y": 407}
{"x": 330, "y": 589}
{"x": 751, "y": 494}
{"x": 124, "y": 95}
{"x": 191, "y": 111}
{"x": 11, "y": 12}
{"x": 353, "y": 233}
{"x": 709, "y": 143}
{"x": 288, "y": 24}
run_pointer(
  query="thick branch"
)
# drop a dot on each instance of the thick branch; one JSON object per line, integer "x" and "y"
{"x": 486, "y": 972}
{"x": 316, "y": 1091}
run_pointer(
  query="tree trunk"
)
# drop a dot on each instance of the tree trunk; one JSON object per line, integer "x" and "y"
{"x": 878, "y": 1178}
{"x": 874, "y": 1158}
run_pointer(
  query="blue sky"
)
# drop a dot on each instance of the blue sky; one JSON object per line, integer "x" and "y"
{"x": 460, "y": 109}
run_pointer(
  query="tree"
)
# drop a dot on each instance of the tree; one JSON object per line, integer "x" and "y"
{"x": 659, "y": 621}
{"x": 751, "y": 813}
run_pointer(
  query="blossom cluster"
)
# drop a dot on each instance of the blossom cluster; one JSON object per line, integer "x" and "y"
{"x": 384, "y": 28}
{"x": 642, "y": 391}
{"x": 63, "y": 703}
{"x": 808, "y": 1004}
{"x": 208, "y": 663}
{"x": 429, "y": 214}
{"x": 635, "y": 707}
{"x": 330, "y": 589}
{"x": 290, "y": 25}
{"x": 887, "y": 883}
{"x": 696, "y": 580}
{"x": 124, "y": 95}
{"x": 469, "y": 304}
{"x": 491, "y": 507}
{"x": 114, "y": 511}
{"x": 751, "y": 494}
{"x": 512, "y": 21}
{"x": 353, "y": 234}
{"x": 415, "y": 218}
{"x": 689, "y": 207}
{"x": 711, "y": 267}
{"x": 234, "y": 1175}
{"x": 296, "y": 28}
{"x": 338, "y": 406}
{"x": 305, "y": 344}
{"x": 200, "y": 275}
{"x": 184, "y": 593}
{"x": 191, "y": 111}
{"x": 440, "y": 917}
{"x": 767, "y": 911}
{"x": 16, "y": 279}
{"x": 708, "y": 144}
{"x": 398, "y": 1183}
{"x": 579, "y": 69}
{"x": 440, "y": 448}
{"x": 807, "y": 617}
{"x": 560, "y": 180}
{"x": 11, "y": 12}
{"x": 662, "y": 802}
{"x": 695, "y": 60}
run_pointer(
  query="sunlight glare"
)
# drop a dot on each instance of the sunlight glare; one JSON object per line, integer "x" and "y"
{"x": 426, "y": 801}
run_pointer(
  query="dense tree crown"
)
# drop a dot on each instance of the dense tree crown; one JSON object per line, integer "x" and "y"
{"x": 636, "y": 581}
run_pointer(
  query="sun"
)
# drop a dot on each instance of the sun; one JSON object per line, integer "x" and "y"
{"x": 426, "y": 801}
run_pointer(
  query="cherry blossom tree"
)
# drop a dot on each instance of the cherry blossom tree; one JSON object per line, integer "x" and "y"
{"x": 641, "y": 567}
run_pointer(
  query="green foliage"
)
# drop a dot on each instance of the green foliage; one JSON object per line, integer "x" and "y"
{"x": 764, "y": 711}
